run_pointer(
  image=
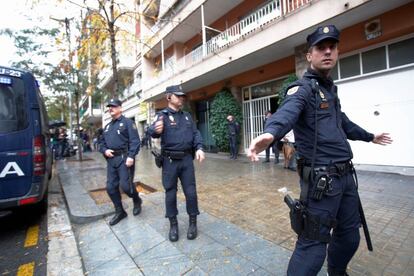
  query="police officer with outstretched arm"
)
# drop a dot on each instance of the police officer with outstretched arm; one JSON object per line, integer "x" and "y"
{"x": 328, "y": 189}
{"x": 180, "y": 141}
{"x": 119, "y": 143}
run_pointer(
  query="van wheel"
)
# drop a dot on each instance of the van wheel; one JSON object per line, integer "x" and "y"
{"x": 41, "y": 207}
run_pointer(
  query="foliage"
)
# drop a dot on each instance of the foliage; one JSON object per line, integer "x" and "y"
{"x": 33, "y": 47}
{"x": 282, "y": 91}
{"x": 102, "y": 29}
{"x": 223, "y": 104}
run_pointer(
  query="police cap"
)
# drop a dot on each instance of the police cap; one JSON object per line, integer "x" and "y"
{"x": 322, "y": 33}
{"x": 114, "y": 102}
{"x": 175, "y": 89}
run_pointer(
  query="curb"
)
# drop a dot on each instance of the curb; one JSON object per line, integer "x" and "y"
{"x": 82, "y": 208}
{"x": 63, "y": 257}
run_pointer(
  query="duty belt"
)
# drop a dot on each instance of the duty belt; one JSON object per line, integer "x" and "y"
{"x": 337, "y": 168}
{"x": 176, "y": 154}
{"x": 119, "y": 152}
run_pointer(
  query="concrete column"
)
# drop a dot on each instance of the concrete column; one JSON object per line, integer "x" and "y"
{"x": 237, "y": 94}
{"x": 301, "y": 63}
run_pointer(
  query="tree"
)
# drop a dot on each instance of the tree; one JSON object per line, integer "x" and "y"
{"x": 282, "y": 91}
{"x": 102, "y": 25}
{"x": 224, "y": 104}
{"x": 33, "y": 48}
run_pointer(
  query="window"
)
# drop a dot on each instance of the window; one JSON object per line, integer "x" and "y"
{"x": 401, "y": 53}
{"x": 12, "y": 106}
{"x": 349, "y": 66}
{"x": 374, "y": 60}
{"x": 266, "y": 89}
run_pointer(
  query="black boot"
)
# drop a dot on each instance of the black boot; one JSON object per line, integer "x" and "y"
{"x": 119, "y": 215}
{"x": 334, "y": 272}
{"x": 192, "y": 228}
{"x": 137, "y": 207}
{"x": 173, "y": 235}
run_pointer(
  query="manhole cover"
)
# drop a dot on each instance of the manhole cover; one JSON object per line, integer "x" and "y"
{"x": 100, "y": 196}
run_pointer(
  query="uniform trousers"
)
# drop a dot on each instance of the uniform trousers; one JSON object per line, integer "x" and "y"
{"x": 118, "y": 174}
{"x": 341, "y": 203}
{"x": 233, "y": 145}
{"x": 183, "y": 169}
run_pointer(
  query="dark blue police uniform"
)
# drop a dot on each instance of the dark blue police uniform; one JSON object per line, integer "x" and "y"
{"x": 180, "y": 139}
{"x": 180, "y": 135}
{"x": 233, "y": 132}
{"x": 331, "y": 155}
{"x": 121, "y": 136}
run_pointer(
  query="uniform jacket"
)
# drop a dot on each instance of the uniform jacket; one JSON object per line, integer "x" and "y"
{"x": 233, "y": 128}
{"x": 180, "y": 132}
{"x": 334, "y": 127}
{"x": 120, "y": 134}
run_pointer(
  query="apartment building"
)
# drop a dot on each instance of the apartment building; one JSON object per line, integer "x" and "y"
{"x": 251, "y": 46}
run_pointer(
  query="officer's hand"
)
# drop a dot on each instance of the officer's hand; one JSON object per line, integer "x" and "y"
{"x": 159, "y": 125}
{"x": 259, "y": 144}
{"x": 200, "y": 155}
{"x": 109, "y": 153}
{"x": 382, "y": 139}
{"x": 129, "y": 162}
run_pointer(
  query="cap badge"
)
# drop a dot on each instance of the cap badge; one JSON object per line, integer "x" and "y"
{"x": 325, "y": 30}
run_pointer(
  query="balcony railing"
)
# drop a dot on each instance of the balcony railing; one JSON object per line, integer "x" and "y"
{"x": 251, "y": 23}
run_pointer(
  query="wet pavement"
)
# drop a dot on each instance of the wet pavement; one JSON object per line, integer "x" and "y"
{"x": 244, "y": 227}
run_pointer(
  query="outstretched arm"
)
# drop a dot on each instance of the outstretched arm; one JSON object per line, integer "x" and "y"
{"x": 382, "y": 139}
{"x": 259, "y": 144}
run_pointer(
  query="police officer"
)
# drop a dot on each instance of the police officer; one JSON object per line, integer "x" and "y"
{"x": 119, "y": 144}
{"x": 233, "y": 132}
{"x": 179, "y": 140}
{"x": 312, "y": 105}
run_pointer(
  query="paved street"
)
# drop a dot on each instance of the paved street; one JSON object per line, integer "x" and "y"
{"x": 238, "y": 199}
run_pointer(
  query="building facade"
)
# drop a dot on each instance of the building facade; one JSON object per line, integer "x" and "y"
{"x": 250, "y": 47}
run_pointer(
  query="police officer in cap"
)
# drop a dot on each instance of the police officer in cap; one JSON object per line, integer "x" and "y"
{"x": 119, "y": 144}
{"x": 328, "y": 189}
{"x": 180, "y": 143}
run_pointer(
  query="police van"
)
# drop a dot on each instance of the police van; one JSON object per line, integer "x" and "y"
{"x": 25, "y": 154}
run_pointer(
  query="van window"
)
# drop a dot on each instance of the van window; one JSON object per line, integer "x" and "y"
{"x": 13, "y": 116}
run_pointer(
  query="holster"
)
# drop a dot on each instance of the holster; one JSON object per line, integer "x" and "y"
{"x": 297, "y": 214}
{"x": 158, "y": 158}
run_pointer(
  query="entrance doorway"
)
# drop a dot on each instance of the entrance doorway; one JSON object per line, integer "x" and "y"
{"x": 203, "y": 125}
{"x": 257, "y": 99}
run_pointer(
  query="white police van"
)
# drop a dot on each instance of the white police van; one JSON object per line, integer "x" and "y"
{"x": 25, "y": 155}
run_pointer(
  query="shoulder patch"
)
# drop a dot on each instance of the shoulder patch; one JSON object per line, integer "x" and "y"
{"x": 292, "y": 90}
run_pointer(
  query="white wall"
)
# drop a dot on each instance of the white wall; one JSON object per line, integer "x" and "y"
{"x": 392, "y": 95}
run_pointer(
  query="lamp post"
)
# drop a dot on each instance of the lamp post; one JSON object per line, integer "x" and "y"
{"x": 66, "y": 21}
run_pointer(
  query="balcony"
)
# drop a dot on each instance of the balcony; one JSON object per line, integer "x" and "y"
{"x": 266, "y": 35}
{"x": 252, "y": 23}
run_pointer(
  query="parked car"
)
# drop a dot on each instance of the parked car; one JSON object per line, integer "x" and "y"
{"x": 25, "y": 154}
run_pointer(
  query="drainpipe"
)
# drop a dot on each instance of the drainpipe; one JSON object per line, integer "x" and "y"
{"x": 203, "y": 31}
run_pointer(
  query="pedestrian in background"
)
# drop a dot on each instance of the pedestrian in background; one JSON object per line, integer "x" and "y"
{"x": 328, "y": 189}
{"x": 289, "y": 151}
{"x": 233, "y": 133}
{"x": 120, "y": 144}
{"x": 272, "y": 146}
{"x": 180, "y": 142}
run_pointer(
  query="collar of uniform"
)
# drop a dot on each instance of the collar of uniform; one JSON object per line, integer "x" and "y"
{"x": 118, "y": 119}
{"x": 312, "y": 74}
{"x": 173, "y": 111}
